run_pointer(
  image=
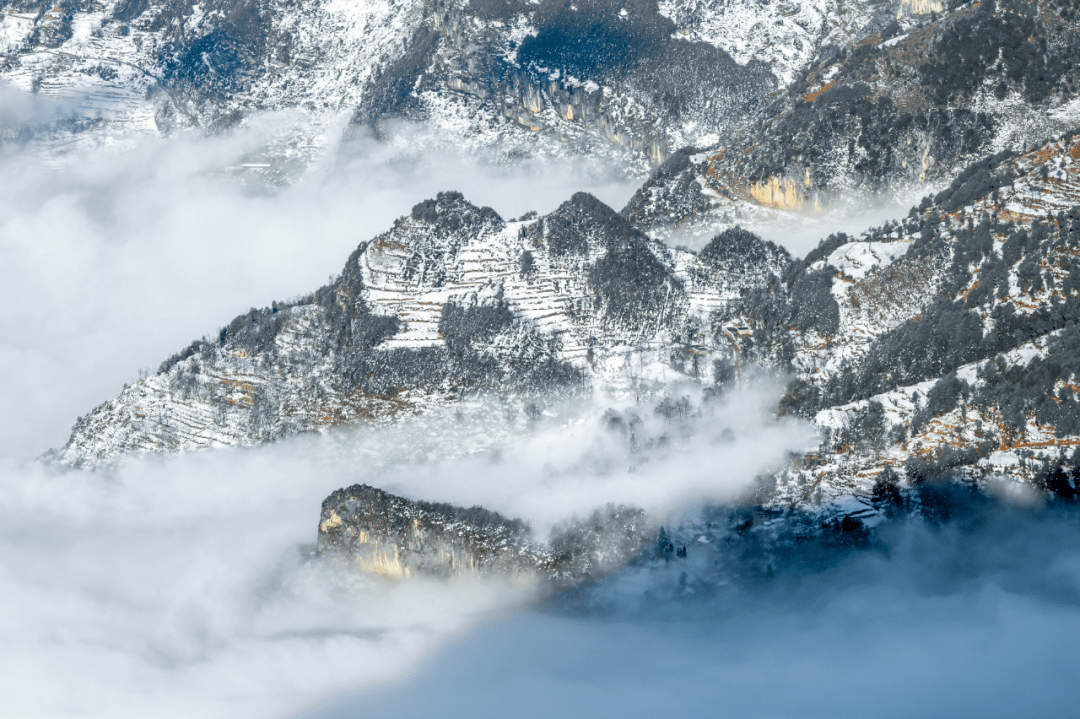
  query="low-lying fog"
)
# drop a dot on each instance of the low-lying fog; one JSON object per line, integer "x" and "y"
{"x": 186, "y": 586}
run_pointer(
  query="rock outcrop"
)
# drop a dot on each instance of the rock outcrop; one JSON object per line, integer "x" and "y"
{"x": 376, "y": 532}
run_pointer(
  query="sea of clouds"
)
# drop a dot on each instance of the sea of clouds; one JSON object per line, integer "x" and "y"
{"x": 187, "y": 586}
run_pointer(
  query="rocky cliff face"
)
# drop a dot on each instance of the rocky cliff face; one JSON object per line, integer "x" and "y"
{"x": 376, "y": 532}
{"x": 903, "y": 106}
{"x": 398, "y": 538}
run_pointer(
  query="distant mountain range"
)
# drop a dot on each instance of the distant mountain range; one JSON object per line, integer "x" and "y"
{"x": 792, "y": 105}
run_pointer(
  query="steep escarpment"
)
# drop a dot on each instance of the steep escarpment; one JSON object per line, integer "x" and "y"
{"x": 397, "y": 537}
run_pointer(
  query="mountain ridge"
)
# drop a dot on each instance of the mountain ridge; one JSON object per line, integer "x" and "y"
{"x": 455, "y": 300}
{"x": 451, "y": 300}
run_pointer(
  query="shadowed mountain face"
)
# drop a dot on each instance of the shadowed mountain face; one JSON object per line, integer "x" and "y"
{"x": 519, "y": 79}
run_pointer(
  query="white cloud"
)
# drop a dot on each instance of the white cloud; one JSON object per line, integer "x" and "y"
{"x": 571, "y": 465}
{"x": 186, "y": 588}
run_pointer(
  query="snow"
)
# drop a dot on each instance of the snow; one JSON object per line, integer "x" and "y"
{"x": 363, "y": 34}
{"x": 783, "y": 35}
{"x": 14, "y": 30}
{"x": 856, "y": 259}
{"x": 411, "y": 272}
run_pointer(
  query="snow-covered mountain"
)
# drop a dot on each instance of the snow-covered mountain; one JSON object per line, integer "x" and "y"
{"x": 944, "y": 344}
{"x": 516, "y": 78}
{"x": 941, "y": 343}
{"x": 453, "y": 300}
{"x": 793, "y": 106}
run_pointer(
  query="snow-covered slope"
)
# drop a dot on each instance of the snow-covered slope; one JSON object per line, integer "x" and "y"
{"x": 518, "y": 79}
{"x": 951, "y": 348}
{"x": 783, "y": 35}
